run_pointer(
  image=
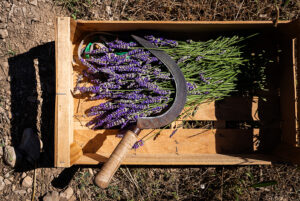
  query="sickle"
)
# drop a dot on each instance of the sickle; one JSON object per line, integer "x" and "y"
{"x": 111, "y": 166}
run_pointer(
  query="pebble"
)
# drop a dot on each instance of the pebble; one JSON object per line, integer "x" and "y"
{"x": 67, "y": 194}
{"x": 23, "y": 175}
{"x": 51, "y": 196}
{"x": 9, "y": 115}
{"x": 6, "y": 175}
{"x": 27, "y": 182}
{"x": 3, "y": 33}
{"x": 7, "y": 182}
{"x": 10, "y": 156}
{"x": 29, "y": 190}
{"x": 2, "y": 184}
{"x": 13, "y": 187}
{"x": 33, "y": 2}
{"x": 20, "y": 192}
{"x": 3, "y": 25}
{"x": 108, "y": 10}
{"x": 91, "y": 172}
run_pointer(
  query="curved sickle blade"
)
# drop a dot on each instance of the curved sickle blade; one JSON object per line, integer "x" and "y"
{"x": 181, "y": 90}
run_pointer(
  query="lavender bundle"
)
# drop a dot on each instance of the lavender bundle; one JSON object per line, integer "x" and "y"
{"x": 136, "y": 84}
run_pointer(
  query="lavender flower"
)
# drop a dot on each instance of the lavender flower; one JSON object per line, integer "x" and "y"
{"x": 203, "y": 79}
{"x": 138, "y": 144}
{"x": 199, "y": 58}
{"x": 191, "y": 86}
{"x": 183, "y": 59}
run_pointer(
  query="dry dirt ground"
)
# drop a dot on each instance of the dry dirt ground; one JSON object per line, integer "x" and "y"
{"x": 27, "y": 100}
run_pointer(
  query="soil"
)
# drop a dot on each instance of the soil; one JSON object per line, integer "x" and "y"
{"x": 27, "y": 80}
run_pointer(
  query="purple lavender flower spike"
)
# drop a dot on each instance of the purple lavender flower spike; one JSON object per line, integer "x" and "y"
{"x": 203, "y": 79}
{"x": 138, "y": 144}
{"x": 198, "y": 58}
{"x": 191, "y": 86}
{"x": 101, "y": 50}
{"x": 115, "y": 123}
{"x": 183, "y": 59}
{"x": 94, "y": 113}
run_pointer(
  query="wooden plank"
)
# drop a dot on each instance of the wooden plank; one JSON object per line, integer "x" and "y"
{"x": 287, "y": 95}
{"x": 63, "y": 100}
{"x": 187, "y": 159}
{"x": 184, "y": 141}
{"x": 185, "y": 27}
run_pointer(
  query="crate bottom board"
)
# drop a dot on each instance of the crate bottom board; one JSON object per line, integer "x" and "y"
{"x": 185, "y": 145}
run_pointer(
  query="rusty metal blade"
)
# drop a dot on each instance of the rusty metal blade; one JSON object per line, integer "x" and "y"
{"x": 180, "y": 86}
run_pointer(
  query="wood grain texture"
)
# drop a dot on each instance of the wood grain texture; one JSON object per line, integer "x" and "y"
{"x": 187, "y": 159}
{"x": 108, "y": 170}
{"x": 184, "y": 141}
{"x": 75, "y": 153}
{"x": 63, "y": 100}
{"x": 287, "y": 95}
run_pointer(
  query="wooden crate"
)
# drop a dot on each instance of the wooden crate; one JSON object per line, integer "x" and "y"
{"x": 218, "y": 146}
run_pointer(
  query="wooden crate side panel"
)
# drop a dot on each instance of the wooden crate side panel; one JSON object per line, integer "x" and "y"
{"x": 187, "y": 159}
{"x": 178, "y": 26}
{"x": 287, "y": 95}
{"x": 291, "y": 34}
{"x": 64, "y": 100}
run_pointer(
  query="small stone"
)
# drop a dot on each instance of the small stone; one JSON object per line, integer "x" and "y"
{"x": 108, "y": 10}
{"x": 13, "y": 187}
{"x": 5, "y": 66}
{"x": 67, "y": 194}
{"x": 9, "y": 115}
{"x": 202, "y": 186}
{"x": 3, "y": 25}
{"x": 73, "y": 198}
{"x": 29, "y": 190}
{"x": 6, "y": 175}
{"x": 20, "y": 192}
{"x": 2, "y": 184}
{"x": 27, "y": 182}
{"x": 23, "y": 175}
{"x": 3, "y": 33}
{"x": 10, "y": 156}
{"x": 33, "y": 2}
{"x": 91, "y": 172}
{"x": 7, "y": 182}
{"x": 51, "y": 196}
{"x": 263, "y": 15}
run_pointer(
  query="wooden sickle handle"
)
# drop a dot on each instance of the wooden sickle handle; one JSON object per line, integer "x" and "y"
{"x": 108, "y": 170}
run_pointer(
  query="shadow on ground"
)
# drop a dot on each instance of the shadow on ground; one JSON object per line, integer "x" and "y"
{"x": 33, "y": 98}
